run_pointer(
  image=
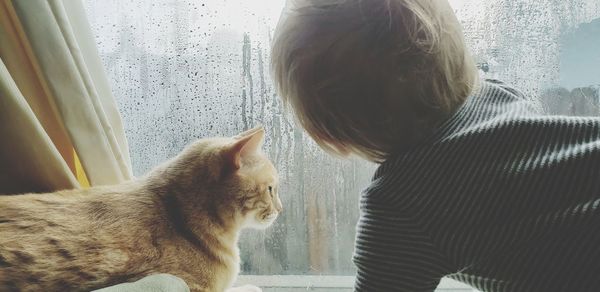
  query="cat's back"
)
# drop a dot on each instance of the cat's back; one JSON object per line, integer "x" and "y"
{"x": 28, "y": 216}
{"x": 32, "y": 216}
{"x": 69, "y": 240}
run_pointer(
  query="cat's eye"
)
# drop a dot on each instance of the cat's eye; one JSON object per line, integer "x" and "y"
{"x": 271, "y": 191}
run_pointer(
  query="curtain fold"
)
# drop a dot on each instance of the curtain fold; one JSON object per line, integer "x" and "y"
{"x": 54, "y": 77}
{"x": 30, "y": 161}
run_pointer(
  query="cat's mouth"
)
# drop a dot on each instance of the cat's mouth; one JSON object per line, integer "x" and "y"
{"x": 261, "y": 220}
{"x": 269, "y": 218}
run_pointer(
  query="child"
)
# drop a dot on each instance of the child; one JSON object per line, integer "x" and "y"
{"x": 474, "y": 183}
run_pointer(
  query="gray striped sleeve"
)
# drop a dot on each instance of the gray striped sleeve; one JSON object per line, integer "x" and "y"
{"x": 392, "y": 253}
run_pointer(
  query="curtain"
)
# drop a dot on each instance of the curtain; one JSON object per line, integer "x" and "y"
{"x": 59, "y": 123}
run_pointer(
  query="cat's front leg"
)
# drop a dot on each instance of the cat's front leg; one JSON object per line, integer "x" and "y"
{"x": 245, "y": 288}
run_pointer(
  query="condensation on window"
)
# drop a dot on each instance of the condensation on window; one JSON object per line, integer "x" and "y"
{"x": 549, "y": 49}
{"x": 181, "y": 70}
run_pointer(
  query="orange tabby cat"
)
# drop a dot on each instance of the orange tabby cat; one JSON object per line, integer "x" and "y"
{"x": 183, "y": 218}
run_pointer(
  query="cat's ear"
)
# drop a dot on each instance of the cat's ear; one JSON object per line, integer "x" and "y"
{"x": 249, "y": 132}
{"x": 246, "y": 144}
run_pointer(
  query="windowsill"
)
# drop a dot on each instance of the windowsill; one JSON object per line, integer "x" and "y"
{"x": 285, "y": 283}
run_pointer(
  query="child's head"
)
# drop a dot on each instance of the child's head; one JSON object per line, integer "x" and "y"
{"x": 371, "y": 76}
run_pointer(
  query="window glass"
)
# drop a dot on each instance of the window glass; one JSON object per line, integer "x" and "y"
{"x": 181, "y": 70}
{"x": 548, "y": 49}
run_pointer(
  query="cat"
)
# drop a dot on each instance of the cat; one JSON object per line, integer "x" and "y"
{"x": 183, "y": 218}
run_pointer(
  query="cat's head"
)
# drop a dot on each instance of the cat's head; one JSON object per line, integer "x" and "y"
{"x": 230, "y": 175}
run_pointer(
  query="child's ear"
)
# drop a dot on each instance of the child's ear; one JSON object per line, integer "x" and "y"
{"x": 247, "y": 144}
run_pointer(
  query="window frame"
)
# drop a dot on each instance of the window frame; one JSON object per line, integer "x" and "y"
{"x": 285, "y": 283}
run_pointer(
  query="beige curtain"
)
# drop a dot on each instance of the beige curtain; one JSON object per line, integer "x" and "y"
{"x": 59, "y": 124}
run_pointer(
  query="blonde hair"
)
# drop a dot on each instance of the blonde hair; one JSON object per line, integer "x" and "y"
{"x": 371, "y": 77}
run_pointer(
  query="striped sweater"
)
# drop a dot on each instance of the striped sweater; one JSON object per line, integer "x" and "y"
{"x": 501, "y": 197}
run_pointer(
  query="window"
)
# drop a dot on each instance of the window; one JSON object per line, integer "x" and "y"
{"x": 548, "y": 49}
{"x": 185, "y": 69}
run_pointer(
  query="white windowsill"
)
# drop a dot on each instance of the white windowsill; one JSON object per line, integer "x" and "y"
{"x": 324, "y": 283}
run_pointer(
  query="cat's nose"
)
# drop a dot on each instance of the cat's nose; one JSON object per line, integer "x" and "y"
{"x": 278, "y": 205}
